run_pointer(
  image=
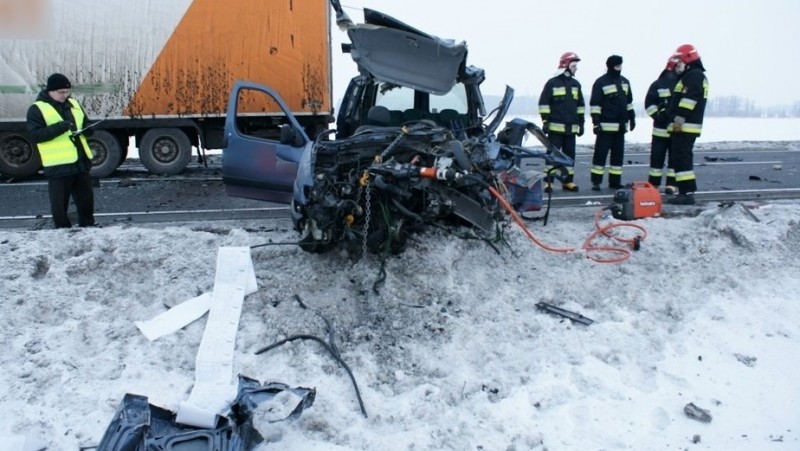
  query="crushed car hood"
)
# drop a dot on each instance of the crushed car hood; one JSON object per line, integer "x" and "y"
{"x": 392, "y": 51}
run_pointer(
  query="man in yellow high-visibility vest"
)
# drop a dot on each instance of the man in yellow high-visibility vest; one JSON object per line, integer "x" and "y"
{"x": 52, "y": 122}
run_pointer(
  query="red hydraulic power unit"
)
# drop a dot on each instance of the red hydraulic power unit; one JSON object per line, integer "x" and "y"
{"x": 635, "y": 201}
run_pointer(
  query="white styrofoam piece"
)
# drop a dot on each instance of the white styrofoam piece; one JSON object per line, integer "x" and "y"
{"x": 214, "y": 390}
{"x": 186, "y": 312}
{"x": 192, "y": 415}
{"x": 234, "y": 266}
{"x": 175, "y": 318}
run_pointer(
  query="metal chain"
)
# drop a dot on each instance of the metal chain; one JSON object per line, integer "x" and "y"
{"x": 393, "y": 144}
{"x": 367, "y": 217}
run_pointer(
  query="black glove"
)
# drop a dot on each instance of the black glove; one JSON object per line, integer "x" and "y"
{"x": 580, "y": 130}
{"x": 546, "y": 127}
{"x": 596, "y": 129}
{"x": 63, "y": 126}
{"x": 632, "y": 123}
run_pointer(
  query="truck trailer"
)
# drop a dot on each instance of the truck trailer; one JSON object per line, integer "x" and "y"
{"x": 157, "y": 73}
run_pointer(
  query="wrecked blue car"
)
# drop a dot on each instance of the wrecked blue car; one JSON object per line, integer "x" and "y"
{"x": 414, "y": 146}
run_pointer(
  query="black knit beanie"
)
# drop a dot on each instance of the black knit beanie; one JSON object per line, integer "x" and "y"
{"x": 613, "y": 60}
{"x": 58, "y": 81}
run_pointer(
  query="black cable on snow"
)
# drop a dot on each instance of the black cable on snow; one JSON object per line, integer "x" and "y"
{"x": 329, "y": 346}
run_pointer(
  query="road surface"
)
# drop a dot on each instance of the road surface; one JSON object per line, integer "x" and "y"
{"x": 747, "y": 171}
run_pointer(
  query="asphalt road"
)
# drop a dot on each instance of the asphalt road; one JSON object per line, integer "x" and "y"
{"x": 133, "y": 195}
{"x": 750, "y": 172}
{"x": 746, "y": 171}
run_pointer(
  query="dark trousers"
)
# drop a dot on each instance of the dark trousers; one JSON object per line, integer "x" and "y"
{"x": 567, "y": 145}
{"x": 79, "y": 187}
{"x": 682, "y": 149}
{"x": 659, "y": 152}
{"x": 605, "y": 142}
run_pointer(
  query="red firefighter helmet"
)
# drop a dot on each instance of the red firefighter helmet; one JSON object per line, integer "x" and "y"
{"x": 687, "y": 53}
{"x": 567, "y": 58}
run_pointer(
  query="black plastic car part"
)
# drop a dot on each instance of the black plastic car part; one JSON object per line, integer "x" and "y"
{"x": 140, "y": 426}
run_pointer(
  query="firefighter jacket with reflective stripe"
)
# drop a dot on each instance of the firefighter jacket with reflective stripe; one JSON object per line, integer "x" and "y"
{"x": 689, "y": 98}
{"x": 657, "y": 100}
{"x": 611, "y": 103}
{"x": 562, "y": 105}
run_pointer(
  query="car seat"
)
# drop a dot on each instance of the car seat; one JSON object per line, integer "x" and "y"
{"x": 412, "y": 114}
{"x": 378, "y": 116}
{"x": 448, "y": 118}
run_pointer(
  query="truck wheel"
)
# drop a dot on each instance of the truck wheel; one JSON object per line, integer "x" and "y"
{"x": 18, "y": 156}
{"x": 106, "y": 151}
{"x": 165, "y": 150}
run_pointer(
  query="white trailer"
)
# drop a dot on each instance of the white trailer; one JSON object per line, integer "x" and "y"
{"x": 159, "y": 71}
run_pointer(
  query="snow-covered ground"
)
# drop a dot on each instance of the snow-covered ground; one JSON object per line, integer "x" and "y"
{"x": 451, "y": 353}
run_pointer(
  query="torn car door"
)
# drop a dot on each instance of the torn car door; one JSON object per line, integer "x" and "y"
{"x": 260, "y": 154}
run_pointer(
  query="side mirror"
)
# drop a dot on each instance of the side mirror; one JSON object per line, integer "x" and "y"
{"x": 290, "y": 136}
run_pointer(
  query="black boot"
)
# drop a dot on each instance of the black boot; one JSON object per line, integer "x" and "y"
{"x": 682, "y": 199}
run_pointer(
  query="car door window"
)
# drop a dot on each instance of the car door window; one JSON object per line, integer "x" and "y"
{"x": 251, "y": 121}
{"x": 255, "y": 163}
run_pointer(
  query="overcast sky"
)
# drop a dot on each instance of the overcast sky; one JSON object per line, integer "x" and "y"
{"x": 748, "y": 47}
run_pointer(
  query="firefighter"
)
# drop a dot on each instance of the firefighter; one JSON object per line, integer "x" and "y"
{"x": 685, "y": 113}
{"x": 563, "y": 110}
{"x": 54, "y": 122}
{"x": 611, "y": 108}
{"x": 655, "y": 103}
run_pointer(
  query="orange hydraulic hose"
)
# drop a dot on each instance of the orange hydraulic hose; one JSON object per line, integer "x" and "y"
{"x": 623, "y": 253}
{"x": 517, "y": 219}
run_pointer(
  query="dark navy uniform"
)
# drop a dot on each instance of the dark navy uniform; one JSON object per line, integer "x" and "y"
{"x": 655, "y": 103}
{"x": 611, "y": 108}
{"x": 563, "y": 108}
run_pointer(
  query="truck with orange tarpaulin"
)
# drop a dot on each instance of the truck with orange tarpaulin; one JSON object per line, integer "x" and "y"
{"x": 158, "y": 72}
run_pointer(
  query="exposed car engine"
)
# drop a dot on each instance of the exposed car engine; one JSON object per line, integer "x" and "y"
{"x": 373, "y": 190}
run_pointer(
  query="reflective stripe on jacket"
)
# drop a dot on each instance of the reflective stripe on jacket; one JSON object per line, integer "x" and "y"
{"x": 689, "y": 99}
{"x": 611, "y": 102}
{"x": 562, "y": 105}
{"x": 61, "y": 149}
{"x": 657, "y": 100}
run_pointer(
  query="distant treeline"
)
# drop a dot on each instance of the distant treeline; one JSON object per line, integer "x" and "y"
{"x": 729, "y": 106}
